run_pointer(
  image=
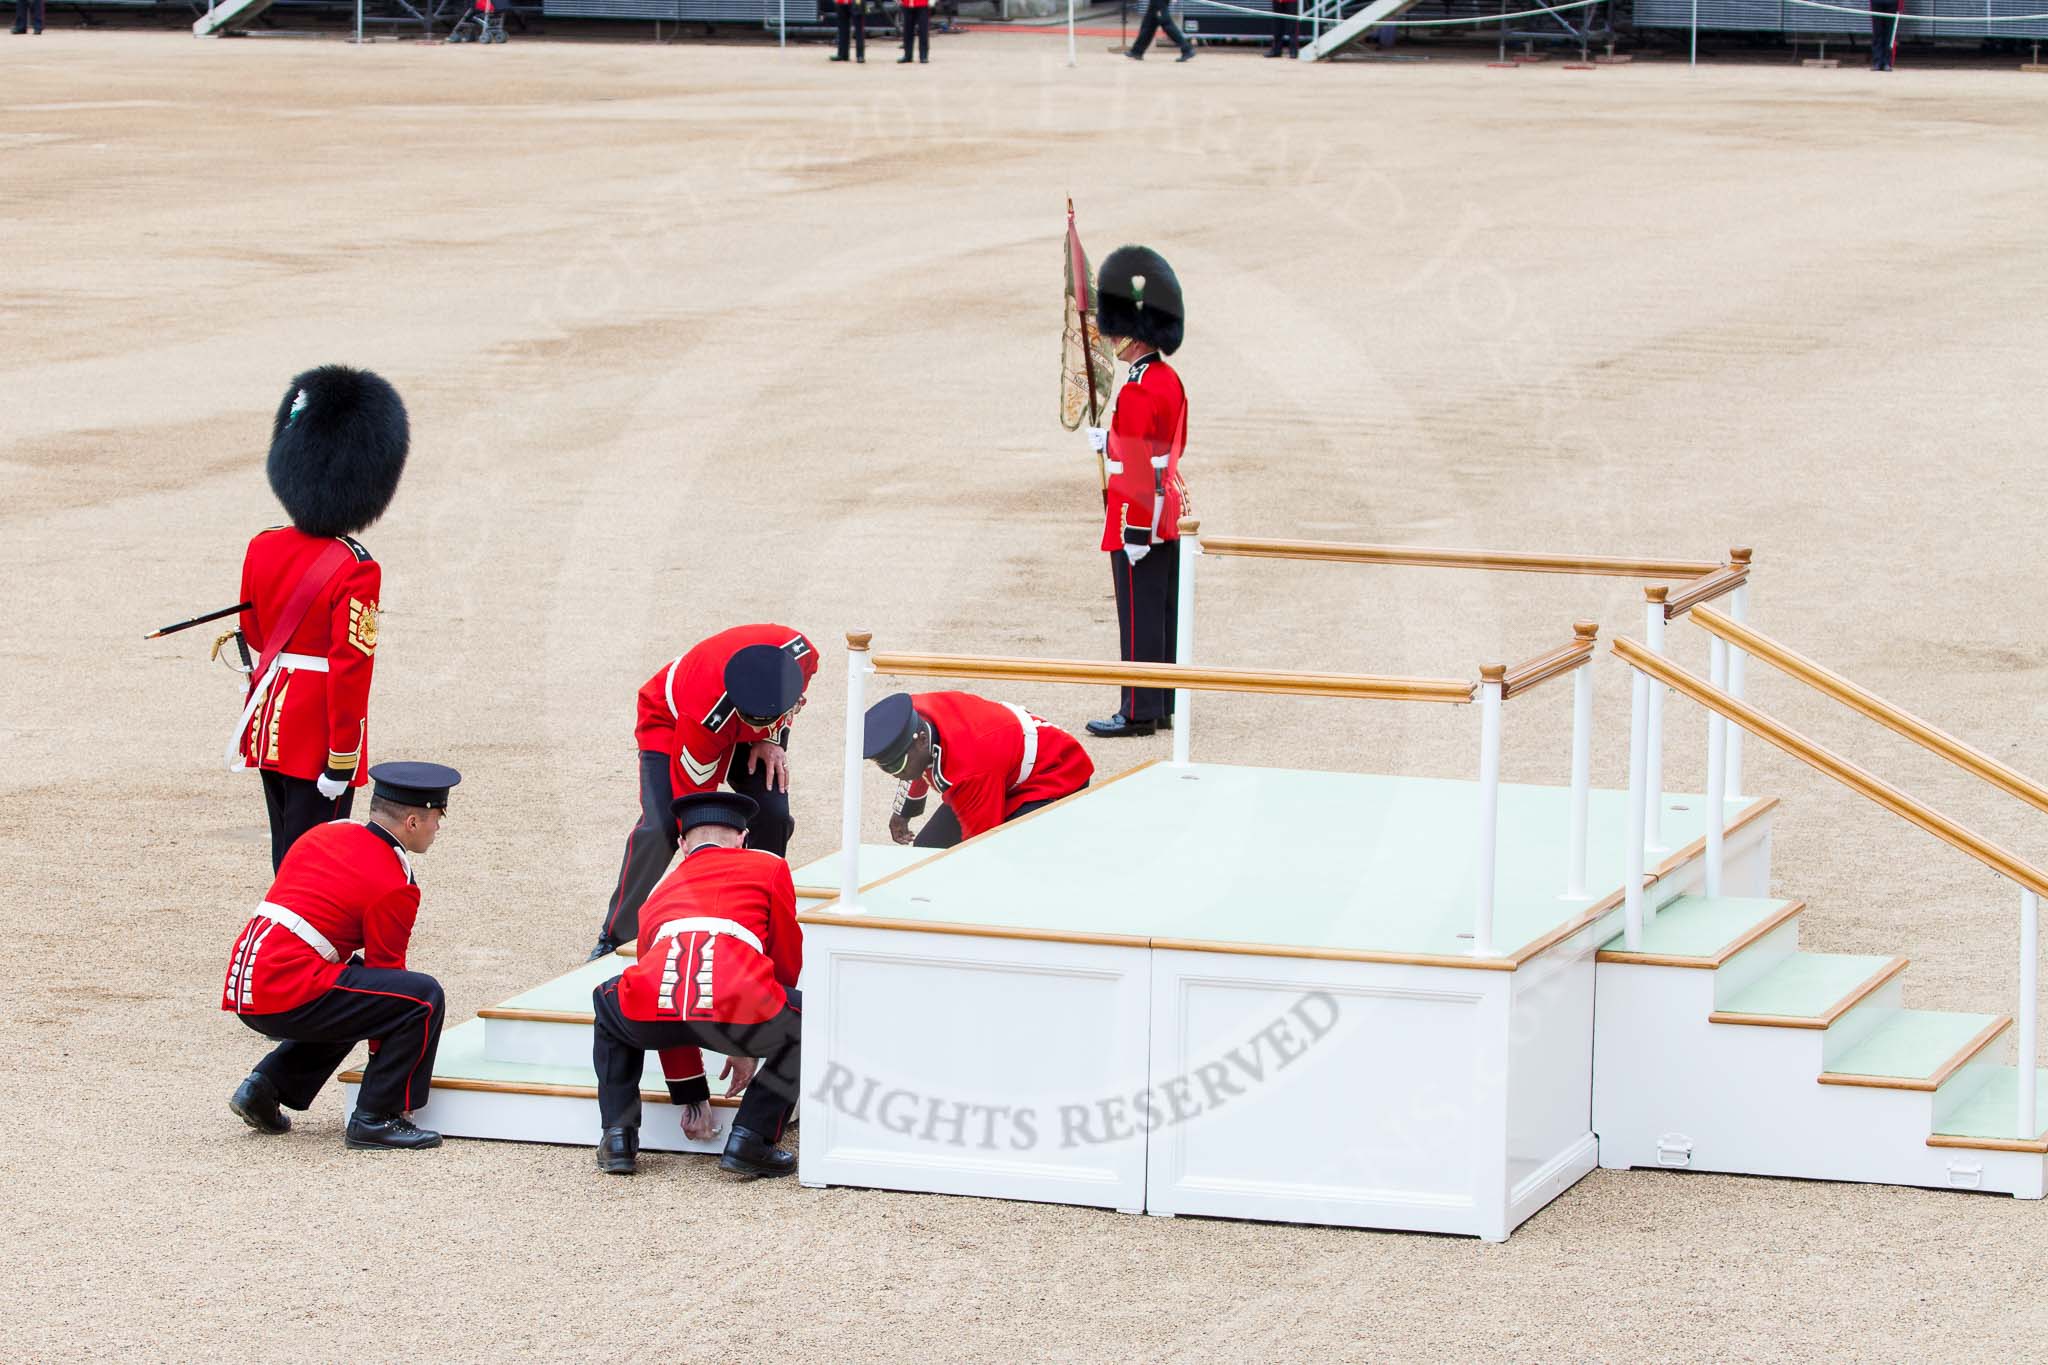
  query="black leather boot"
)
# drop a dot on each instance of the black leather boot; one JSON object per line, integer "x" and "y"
{"x": 748, "y": 1153}
{"x": 388, "y": 1130}
{"x": 1119, "y": 726}
{"x": 618, "y": 1151}
{"x": 604, "y": 946}
{"x": 255, "y": 1103}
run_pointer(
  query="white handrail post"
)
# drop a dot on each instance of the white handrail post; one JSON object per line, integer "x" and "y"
{"x": 1653, "y": 776}
{"x": 1491, "y": 676}
{"x": 1632, "y": 862}
{"x": 1582, "y": 763}
{"x": 1738, "y": 673}
{"x": 2027, "y": 1126}
{"x": 1717, "y": 766}
{"x": 1184, "y": 637}
{"x": 857, "y": 670}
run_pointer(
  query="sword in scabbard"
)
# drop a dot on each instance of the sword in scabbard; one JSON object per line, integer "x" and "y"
{"x": 177, "y": 626}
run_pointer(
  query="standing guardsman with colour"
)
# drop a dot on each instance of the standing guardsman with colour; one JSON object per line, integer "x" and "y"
{"x": 1139, "y": 311}
{"x": 311, "y": 595}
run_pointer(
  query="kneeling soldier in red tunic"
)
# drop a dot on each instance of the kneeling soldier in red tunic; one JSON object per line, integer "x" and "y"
{"x": 295, "y": 974}
{"x": 720, "y": 952}
{"x": 990, "y": 762}
{"x": 337, "y": 449}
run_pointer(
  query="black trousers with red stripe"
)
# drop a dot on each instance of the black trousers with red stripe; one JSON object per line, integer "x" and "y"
{"x": 619, "y": 1048}
{"x": 295, "y": 806}
{"x": 651, "y": 847}
{"x": 399, "y": 1011}
{"x": 1147, "y": 619}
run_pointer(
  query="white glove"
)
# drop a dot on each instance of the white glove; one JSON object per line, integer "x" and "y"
{"x": 1098, "y": 440}
{"x": 329, "y": 787}
{"x": 1159, "y": 462}
{"x": 1137, "y": 552}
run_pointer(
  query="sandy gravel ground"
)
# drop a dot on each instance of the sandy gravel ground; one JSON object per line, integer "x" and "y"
{"x": 695, "y": 335}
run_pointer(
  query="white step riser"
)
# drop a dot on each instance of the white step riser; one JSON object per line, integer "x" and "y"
{"x": 1756, "y": 961}
{"x": 1745, "y": 1100}
{"x": 552, "y": 1118}
{"x": 537, "y": 1044}
{"x": 1969, "y": 1078}
{"x": 1870, "y": 1014}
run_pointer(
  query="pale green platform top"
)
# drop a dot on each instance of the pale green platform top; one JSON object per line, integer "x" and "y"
{"x": 1989, "y": 1112}
{"x": 1281, "y": 857}
{"x": 876, "y": 861}
{"x": 1805, "y": 985}
{"x": 1913, "y": 1044}
{"x": 461, "y": 1057}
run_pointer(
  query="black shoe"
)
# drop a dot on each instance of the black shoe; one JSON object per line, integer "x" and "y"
{"x": 1164, "y": 722}
{"x": 618, "y": 1151}
{"x": 1120, "y": 726}
{"x": 922, "y": 60}
{"x": 605, "y": 945}
{"x": 839, "y": 56}
{"x": 747, "y": 1153}
{"x": 255, "y": 1103}
{"x": 1135, "y": 56}
{"x": 1187, "y": 54}
{"x": 387, "y": 1130}
{"x": 862, "y": 58}
{"x": 1273, "y": 52}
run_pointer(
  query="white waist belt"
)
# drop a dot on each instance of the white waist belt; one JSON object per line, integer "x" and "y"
{"x": 294, "y": 921}
{"x": 1030, "y": 724}
{"x": 705, "y": 924}
{"x": 311, "y": 663}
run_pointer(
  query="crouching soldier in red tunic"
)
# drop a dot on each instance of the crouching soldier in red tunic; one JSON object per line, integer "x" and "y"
{"x": 720, "y": 952}
{"x": 720, "y": 713}
{"x": 990, "y": 762}
{"x": 337, "y": 449}
{"x": 320, "y": 967}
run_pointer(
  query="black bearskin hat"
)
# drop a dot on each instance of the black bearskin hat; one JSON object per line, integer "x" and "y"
{"x": 337, "y": 448}
{"x": 1136, "y": 295}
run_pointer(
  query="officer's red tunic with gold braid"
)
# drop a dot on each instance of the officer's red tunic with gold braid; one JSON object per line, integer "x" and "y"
{"x": 313, "y": 714}
{"x": 685, "y": 713}
{"x": 352, "y": 887}
{"x": 1150, "y": 423}
{"x": 719, "y": 943}
{"x": 989, "y": 759}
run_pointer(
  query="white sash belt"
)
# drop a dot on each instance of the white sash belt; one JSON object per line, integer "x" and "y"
{"x": 705, "y": 924}
{"x": 1030, "y": 724}
{"x": 294, "y": 921}
{"x": 308, "y": 663}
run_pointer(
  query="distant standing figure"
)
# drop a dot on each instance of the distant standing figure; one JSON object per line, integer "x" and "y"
{"x": 28, "y": 13}
{"x": 917, "y": 22}
{"x": 1286, "y": 29}
{"x": 851, "y": 16}
{"x": 1884, "y": 32}
{"x": 1158, "y": 17}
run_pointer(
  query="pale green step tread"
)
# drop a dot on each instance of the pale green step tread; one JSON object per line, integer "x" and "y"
{"x": 1989, "y": 1112}
{"x": 461, "y": 1057}
{"x": 1805, "y": 985}
{"x": 1700, "y": 926}
{"x": 1913, "y": 1045}
{"x": 571, "y": 990}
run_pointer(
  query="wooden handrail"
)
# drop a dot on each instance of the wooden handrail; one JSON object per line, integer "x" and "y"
{"x": 1360, "y": 686}
{"x": 1533, "y": 672}
{"x": 1856, "y": 779}
{"x": 1705, "y": 589}
{"x": 1417, "y": 556}
{"x": 1831, "y": 684}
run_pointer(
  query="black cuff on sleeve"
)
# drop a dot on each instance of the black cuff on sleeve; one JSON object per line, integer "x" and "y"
{"x": 696, "y": 1090}
{"x": 1137, "y": 535}
{"x": 780, "y": 739}
{"x": 913, "y": 808}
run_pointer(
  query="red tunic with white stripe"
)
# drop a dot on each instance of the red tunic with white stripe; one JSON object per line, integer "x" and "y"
{"x": 1150, "y": 422}
{"x": 352, "y": 885}
{"x": 690, "y": 971}
{"x": 311, "y": 720}
{"x": 978, "y": 759}
{"x": 685, "y": 713}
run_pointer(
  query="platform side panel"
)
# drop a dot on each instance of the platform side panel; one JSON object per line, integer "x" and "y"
{"x": 1356, "y": 1094}
{"x": 1550, "y": 1144}
{"x": 955, "y": 1064}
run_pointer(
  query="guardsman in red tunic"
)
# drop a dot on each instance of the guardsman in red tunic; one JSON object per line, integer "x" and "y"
{"x": 917, "y": 23}
{"x": 720, "y": 952}
{"x": 990, "y": 762}
{"x": 720, "y": 713}
{"x": 853, "y": 15}
{"x": 321, "y": 967}
{"x": 1139, "y": 310}
{"x": 337, "y": 449}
